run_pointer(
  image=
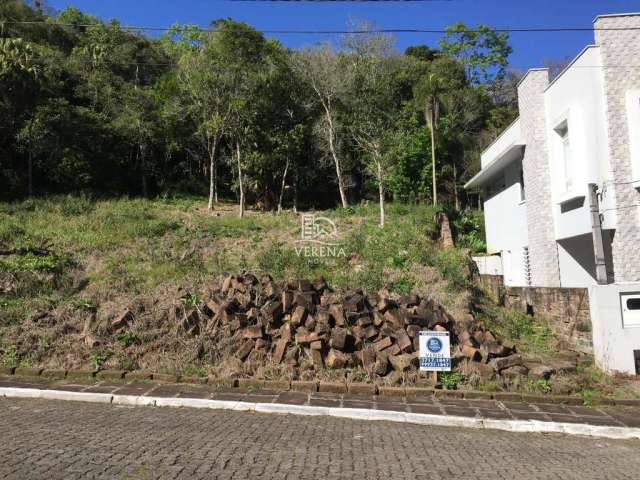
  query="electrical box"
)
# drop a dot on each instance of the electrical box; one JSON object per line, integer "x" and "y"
{"x": 630, "y": 309}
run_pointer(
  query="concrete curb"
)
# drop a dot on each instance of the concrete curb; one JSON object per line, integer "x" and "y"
{"x": 523, "y": 426}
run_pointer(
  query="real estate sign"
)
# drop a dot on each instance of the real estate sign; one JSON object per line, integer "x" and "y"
{"x": 435, "y": 351}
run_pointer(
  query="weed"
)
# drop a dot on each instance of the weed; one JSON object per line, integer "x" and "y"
{"x": 10, "y": 357}
{"x": 84, "y": 304}
{"x": 98, "y": 358}
{"x": 539, "y": 385}
{"x": 127, "y": 339}
{"x": 191, "y": 300}
{"x": 450, "y": 380}
{"x": 124, "y": 362}
{"x": 403, "y": 285}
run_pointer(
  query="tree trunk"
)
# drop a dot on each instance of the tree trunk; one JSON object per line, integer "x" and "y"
{"x": 241, "y": 186}
{"x": 455, "y": 186}
{"x": 284, "y": 182}
{"x": 380, "y": 191}
{"x": 213, "y": 190}
{"x": 295, "y": 192}
{"x": 336, "y": 160}
{"x": 432, "y": 128}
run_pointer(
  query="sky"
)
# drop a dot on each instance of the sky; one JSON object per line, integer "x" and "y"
{"x": 530, "y": 49}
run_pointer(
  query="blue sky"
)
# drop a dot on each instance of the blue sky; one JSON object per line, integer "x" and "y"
{"x": 529, "y": 48}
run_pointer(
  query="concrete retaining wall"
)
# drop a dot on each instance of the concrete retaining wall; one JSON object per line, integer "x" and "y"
{"x": 566, "y": 309}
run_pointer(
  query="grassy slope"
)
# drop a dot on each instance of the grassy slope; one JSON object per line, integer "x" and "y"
{"x": 116, "y": 250}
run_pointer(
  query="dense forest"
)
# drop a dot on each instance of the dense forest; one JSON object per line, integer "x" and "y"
{"x": 91, "y": 107}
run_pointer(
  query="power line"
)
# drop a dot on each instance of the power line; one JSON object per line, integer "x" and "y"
{"x": 337, "y": 32}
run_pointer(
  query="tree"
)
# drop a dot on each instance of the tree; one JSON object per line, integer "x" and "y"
{"x": 443, "y": 77}
{"x": 483, "y": 51}
{"x": 373, "y": 101}
{"x": 321, "y": 69}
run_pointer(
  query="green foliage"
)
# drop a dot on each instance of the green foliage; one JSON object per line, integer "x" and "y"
{"x": 31, "y": 263}
{"x": 453, "y": 265}
{"x": 98, "y": 357}
{"x": 468, "y": 229}
{"x": 539, "y": 385}
{"x": 10, "y": 357}
{"x": 126, "y": 339}
{"x": 450, "y": 380}
{"x": 191, "y": 300}
{"x": 483, "y": 51}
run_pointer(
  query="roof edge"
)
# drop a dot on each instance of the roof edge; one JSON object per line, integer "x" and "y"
{"x": 504, "y": 131}
{"x": 537, "y": 69}
{"x": 571, "y": 63}
{"x": 611, "y": 15}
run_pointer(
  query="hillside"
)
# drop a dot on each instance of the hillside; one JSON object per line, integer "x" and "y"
{"x": 71, "y": 265}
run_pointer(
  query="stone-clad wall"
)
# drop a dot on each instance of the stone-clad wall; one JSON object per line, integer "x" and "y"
{"x": 620, "y": 50}
{"x": 565, "y": 309}
{"x": 543, "y": 251}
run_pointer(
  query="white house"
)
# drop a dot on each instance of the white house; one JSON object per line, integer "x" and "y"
{"x": 575, "y": 134}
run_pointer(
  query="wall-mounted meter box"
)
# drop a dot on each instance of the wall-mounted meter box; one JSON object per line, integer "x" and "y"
{"x": 630, "y": 309}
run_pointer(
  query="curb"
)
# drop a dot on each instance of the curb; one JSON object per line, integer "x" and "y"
{"x": 528, "y": 426}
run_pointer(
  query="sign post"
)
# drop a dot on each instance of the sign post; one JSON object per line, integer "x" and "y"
{"x": 435, "y": 352}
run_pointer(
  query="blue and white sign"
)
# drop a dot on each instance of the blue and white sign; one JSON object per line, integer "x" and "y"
{"x": 435, "y": 351}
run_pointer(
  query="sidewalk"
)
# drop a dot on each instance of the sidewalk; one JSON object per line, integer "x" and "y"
{"x": 612, "y": 422}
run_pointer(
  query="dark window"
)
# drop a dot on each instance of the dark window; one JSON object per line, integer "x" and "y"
{"x": 522, "y": 194}
{"x": 633, "y": 304}
{"x": 636, "y": 357}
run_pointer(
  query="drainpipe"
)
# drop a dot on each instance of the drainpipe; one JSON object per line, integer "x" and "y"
{"x": 596, "y": 228}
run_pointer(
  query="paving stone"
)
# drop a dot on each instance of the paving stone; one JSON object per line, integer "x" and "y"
{"x": 358, "y": 404}
{"x": 195, "y": 393}
{"x": 229, "y": 396}
{"x": 391, "y": 406}
{"x": 101, "y": 388}
{"x": 324, "y": 402}
{"x": 427, "y": 409}
{"x": 519, "y": 406}
{"x": 260, "y": 398}
{"x": 460, "y": 411}
{"x": 57, "y": 440}
{"x": 495, "y": 414}
{"x": 134, "y": 389}
{"x": 552, "y": 408}
{"x": 165, "y": 391}
{"x": 542, "y": 417}
{"x": 293, "y": 398}
{"x": 593, "y": 412}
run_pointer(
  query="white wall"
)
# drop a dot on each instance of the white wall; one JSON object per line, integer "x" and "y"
{"x": 506, "y": 226}
{"x": 577, "y": 96}
{"x": 507, "y": 139}
{"x": 613, "y": 345}
{"x": 489, "y": 264}
{"x": 577, "y": 262}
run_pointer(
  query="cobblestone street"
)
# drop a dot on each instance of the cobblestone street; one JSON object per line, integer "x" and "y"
{"x": 51, "y": 439}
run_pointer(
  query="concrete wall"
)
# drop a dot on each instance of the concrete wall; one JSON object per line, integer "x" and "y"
{"x": 506, "y": 225}
{"x": 613, "y": 344}
{"x": 575, "y": 97}
{"x": 620, "y": 52}
{"x": 565, "y": 309}
{"x": 507, "y": 139}
{"x": 488, "y": 264}
{"x": 537, "y": 179}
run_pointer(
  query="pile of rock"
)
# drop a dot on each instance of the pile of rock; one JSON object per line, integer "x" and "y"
{"x": 307, "y": 326}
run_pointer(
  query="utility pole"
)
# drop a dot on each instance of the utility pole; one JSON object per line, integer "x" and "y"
{"x": 596, "y": 227}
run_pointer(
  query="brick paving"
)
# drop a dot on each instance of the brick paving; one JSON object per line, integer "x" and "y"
{"x": 69, "y": 440}
{"x": 481, "y": 409}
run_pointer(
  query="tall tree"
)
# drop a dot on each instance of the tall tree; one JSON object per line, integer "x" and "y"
{"x": 482, "y": 50}
{"x": 322, "y": 70}
{"x": 373, "y": 101}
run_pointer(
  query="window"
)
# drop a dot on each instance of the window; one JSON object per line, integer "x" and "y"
{"x": 563, "y": 132}
{"x": 523, "y": 197}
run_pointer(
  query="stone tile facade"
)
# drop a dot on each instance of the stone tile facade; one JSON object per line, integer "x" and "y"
{"x": 543, "y": 251}
{"x": 620, "y": 50}
{"x": 565, "y": 309}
